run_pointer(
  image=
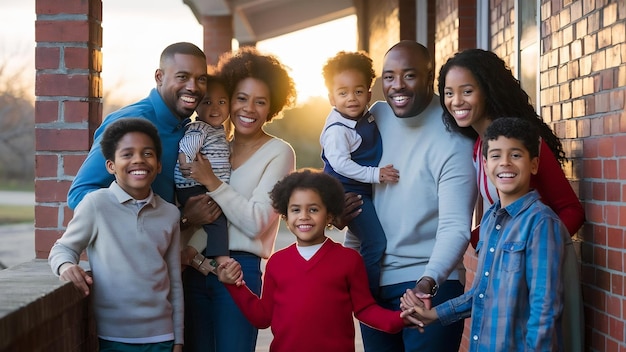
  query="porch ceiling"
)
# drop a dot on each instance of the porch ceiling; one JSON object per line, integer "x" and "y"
{"x": 256, "y": 20}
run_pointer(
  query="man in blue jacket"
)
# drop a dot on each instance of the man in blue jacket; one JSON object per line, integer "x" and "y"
{"x": 181, "y": 82}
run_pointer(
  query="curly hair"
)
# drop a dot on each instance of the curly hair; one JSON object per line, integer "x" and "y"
{"x": 504, "y": 95}
{"x": 118, "y": 129}
{"x": 248, "y": 62}
{"x": 516, "y": 128}
{"x": 328, "y": 187}
{"x": 343, "y": 61}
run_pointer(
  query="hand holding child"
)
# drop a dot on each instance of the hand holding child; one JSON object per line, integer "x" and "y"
{"x": 388, "y": 174}
{"x": 414, "y": 310}
{"x": 230, "y": 272}
{"x": 74, "y": 273}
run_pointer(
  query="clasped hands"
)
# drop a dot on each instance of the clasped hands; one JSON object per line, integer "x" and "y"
{"x": 417, "y": 308}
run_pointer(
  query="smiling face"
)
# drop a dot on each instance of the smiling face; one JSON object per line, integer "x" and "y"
{"x": 509, "y": 167}
{"x": 135, "y": 164}
{"x": 249, "y": 107}
{"x": 215, "y": 105}
{"x": 307, "y": 217}
{"x": 350, "y": 93}
{"x": 407, "y": 81}
{"x": 181, "y": 82}
{"x": 465, "y": 100}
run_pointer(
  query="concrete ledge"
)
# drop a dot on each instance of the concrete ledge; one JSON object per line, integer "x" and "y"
{"x": 40, "y": 313}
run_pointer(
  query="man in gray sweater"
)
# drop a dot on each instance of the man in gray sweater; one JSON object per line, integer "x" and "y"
{"x": 427, "y": 214}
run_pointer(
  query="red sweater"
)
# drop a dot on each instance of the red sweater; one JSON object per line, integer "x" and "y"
{"x": 309, "y": 304}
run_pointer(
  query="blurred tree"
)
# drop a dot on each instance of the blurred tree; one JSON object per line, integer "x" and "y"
{"x": 301, "y": 127}
{"x": 17, "y": 125}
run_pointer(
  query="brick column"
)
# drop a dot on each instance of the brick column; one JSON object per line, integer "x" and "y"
{"x": 68, "y": 106}
{"x": 218, "y": 35}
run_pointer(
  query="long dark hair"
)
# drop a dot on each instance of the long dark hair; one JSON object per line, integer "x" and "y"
{"x": 504, "y": 95}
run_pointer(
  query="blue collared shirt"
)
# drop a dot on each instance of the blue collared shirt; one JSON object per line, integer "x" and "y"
{"x": 516, "y": 300}
{"x": 93, "y": 175}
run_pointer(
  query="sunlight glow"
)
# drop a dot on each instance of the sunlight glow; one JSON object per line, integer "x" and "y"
{"x": 132, "y": 44}
{"x": 306, "y": 51}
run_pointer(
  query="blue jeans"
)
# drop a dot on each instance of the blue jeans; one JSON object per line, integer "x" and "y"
{"x": 436, "y": 337}
{"x": 366, "y": 227}
{"x": 213, "y": 322}
{"x": 111, "y": 346}
{"x": 217, "y": 231}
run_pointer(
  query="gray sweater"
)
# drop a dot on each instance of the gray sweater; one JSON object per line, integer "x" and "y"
{"x": 427, "y": 214}
{"x": 134, "y": 254}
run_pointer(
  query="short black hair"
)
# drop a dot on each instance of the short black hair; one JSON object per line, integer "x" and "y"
{"x": 344, "y": 61}
{"x": 184, "y": 48}
{"x": 329, "y": 188}
{"x": 516, "y": 128}
{"x": 118, "y": 129}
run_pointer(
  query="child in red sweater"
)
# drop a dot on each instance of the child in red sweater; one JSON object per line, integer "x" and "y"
{"x": 311, "y": 288}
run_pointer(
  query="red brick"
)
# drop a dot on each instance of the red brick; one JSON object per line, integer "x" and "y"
{"x": 606, "y": 147}
{"x": 609, "y": 167}
{"x": 611, "y": 124}
{"x": 74, "y": 85}
{"x": 598, "y": 341}
{"x": 62, "y": 31}
{"x": 620, "y": 147}
{"x": 46, "y": 111}
{"x": 67, "y": 216}
{"x": 613, "y": 189}
{"x": 51, "y": 190}
{"x": 62, "y": 7}
{"x": 601, "y": 322}
{"x": 611, "y": 345}
{"x": 47, "y": 58}
{"x": 622, "y": 169}
{"x": 599, "y": 259}
{"x": 599, "y": 191}
{"x": 77, "y": 58}
{"x": 62, "y": 139}
{"x": 616, "y": 326}
{"x": 44, "y": 239}
{"x": 617, "y": 284}
{"x": 72, "y": 162}
{"x": 46, "y": 217}
{"x": 76, "y": 111}
{"x": 615, "y": 237}
{"x": 611, "y": 214}
{"x": 593, "y": 213}
{"x": 46, "y": 165}
{"x": 614, "y": 260}
{"x": 593, "y": 168}
{"x": 622, "y": 216}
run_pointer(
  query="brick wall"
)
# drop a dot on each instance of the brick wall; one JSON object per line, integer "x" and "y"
{"x": 68, "y": 106}
{"x": 583, "y": 88}
{"x": 446, "y": 33}
{"x": 217, "y": 35}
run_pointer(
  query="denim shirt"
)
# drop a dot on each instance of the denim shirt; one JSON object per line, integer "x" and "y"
{"x": 516, "y": 300}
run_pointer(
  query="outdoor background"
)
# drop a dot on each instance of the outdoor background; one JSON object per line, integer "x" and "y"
{"x": 129, "y": 61}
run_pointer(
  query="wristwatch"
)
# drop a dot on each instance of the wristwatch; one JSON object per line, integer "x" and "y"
{"x": 434, "y": 287}
{"x": 204, "y": 266}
